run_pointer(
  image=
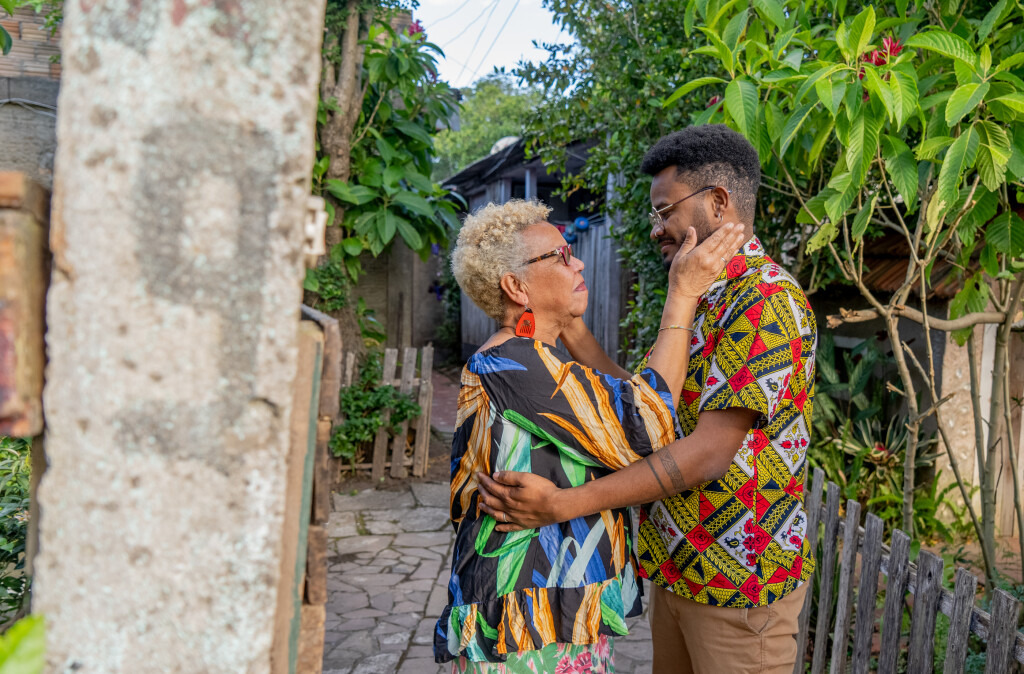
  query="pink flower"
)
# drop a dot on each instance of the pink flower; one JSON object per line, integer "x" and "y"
{"x": 892, "y": 46}
{"x": 583, "y": 662}
{"x": 877, "y": 58}
{"x": 415, "y": 28}
{"x": 566, "y": 666}
{"x": 713, "y": 101}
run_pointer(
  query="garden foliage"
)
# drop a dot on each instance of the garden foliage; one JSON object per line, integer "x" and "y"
{"x": 15, "y": 474}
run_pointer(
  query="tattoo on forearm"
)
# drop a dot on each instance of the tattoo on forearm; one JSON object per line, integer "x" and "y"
{"x": 661, "y": 484}
{"x": 670, "y": 466}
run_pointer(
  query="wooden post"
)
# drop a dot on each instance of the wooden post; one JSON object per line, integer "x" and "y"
{"x": 812, "y": 506}
{"x": 920, "y": 655}
{"x": 380, "y": 445}
{"x": 421, "y": 450}
{"x": 827, "y": 566}
{"x": 401, "y": 439}
{"x": 892, "y": 616}
{"x": 842, "y": 632}
{"x": 960, "y": 621}
{"x": 1002, "y": 633}
{"x": 867, "y": 591}
{"x": 316, "y": 566}
{"x": 322, "y": 478}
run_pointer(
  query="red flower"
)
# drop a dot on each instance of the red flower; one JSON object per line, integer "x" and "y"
{"x": 795, "y": 540}
{"x": 713, "y": 101}
{"x": 583, "y": 662}
{"x": 415, "y": 28}
{"x": 748, "y": 527}
{"x": 786, "y": 444}
{"x": 877, "y": 58}
{"x": 670, "y": 571}
{"x": 711, "y": 381}
{"x": 892, "y": 46}
{"x": 751, "y": 559}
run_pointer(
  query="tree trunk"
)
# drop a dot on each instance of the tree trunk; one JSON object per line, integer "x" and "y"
{"x": 913, "y": 423}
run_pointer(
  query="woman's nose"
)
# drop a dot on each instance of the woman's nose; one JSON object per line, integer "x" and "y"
{"x": 577, "y": 263}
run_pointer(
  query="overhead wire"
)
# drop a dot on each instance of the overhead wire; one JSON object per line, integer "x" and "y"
{"x": 448, "y": 16}
{"x": 459, "y": 34}
{"x": 478, "y": 36}
{"x": 483, "y": 58}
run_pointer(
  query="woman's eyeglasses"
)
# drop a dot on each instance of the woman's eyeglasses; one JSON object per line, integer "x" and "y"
{"x": 655, "y": 215}
{"x": 565, "y": 252}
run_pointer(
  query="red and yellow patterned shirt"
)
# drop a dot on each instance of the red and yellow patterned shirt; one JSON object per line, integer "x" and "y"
{"x": 740, "y": 541}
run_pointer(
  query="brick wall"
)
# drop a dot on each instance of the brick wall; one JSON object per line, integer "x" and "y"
{"x": 33, "y": 47}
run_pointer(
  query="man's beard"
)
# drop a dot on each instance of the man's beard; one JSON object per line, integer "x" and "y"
{"x": 702, "y": 226}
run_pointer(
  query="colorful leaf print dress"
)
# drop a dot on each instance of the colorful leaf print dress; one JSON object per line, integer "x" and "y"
{"x": 529, "y": 597}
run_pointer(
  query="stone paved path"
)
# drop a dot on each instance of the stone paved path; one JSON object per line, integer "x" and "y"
{"x": 389, "y": 562}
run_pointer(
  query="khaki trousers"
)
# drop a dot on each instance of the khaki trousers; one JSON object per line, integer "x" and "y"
{"x": 694, "y": 638}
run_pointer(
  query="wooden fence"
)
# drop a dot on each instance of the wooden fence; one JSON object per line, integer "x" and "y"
{"x": 421, "y": 389}
{"x": 922, "y": 580}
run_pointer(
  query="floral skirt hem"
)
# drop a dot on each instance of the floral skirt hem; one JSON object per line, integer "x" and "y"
{"x": 555, "y": 658}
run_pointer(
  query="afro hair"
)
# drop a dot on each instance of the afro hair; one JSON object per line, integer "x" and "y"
{"x": 710, "y": 154}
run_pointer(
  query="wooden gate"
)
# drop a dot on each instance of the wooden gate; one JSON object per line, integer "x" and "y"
{"x": 843, "y": 540}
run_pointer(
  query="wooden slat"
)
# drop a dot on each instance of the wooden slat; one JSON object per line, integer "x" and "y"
{"x": 999, "y": 653}
{"x": 841, "y": 636}
{"x": 960, "y": 621}
{"x": 421, "y": 449}
{"x": 826, "y": 567}
{"x": 401, "y": 439}
{"x": 316, "y": 566}
{"x": 812, "y": 508}
{"x": 892, "y": 615}
{"x": 380, "y": 444}
{"x": 867, "y": 592}
{"x": 330, "y": 386}
{"x": 350, "y": 368}
{"x": 322, "y": 473}
{"x": 921, "y": 652}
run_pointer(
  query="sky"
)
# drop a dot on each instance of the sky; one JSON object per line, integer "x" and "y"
{"x": 477, "y": 35}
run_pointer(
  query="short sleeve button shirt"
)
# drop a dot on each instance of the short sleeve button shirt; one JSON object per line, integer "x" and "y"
{"x": 740, "y": 541}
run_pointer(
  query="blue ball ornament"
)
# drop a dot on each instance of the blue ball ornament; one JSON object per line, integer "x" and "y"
{"x": 570, "y": 236}
{"x": 581, "y": 223}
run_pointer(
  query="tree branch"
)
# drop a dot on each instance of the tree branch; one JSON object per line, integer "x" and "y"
{"x": 901, "y": 311}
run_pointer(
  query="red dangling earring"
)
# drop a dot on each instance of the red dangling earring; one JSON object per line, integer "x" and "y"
{"x": 526, "y": 325}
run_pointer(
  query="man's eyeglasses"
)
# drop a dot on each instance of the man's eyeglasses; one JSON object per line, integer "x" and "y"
{"x": 565, "y": 252}
{"x": 655, "y": 216}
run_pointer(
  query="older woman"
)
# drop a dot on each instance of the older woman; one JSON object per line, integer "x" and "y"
{"x": 550, "y": 599}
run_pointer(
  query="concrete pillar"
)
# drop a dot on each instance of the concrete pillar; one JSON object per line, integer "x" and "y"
{"x": 185, "y": 141}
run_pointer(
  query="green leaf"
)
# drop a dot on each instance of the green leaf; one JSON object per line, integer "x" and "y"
{"x": 386, "y": 150}
{"x": 829, "y": 94}
{"x": 413, "y": 130}
{"x": 813, "y": 210}
{"x": 734, "y": 29}
{"x": 793, "y": 125}
{"x": 989, "y": 259}
{"x": 862, "y": 144}
{"x": 689, "y": 17}
{"x": 990, "y": 20}
{"x": 409, "y": 234}
{"x": 972, "y": 298}
{"x": 994, "y": 154}
{"x": 688, "y": 87}
{"x": 861, "y": 29}
{"x": 419, "y": 181}
{"x": 352, "y": 246}
{"x": 723, "y": 51}
{"x": 959, "y": 158}
{"x": 1013, "y": 101}
{"x": 985, "y": 59}
{"x": 311, "y": 282}
{"x": 905, "y": 95}
{"x": 825, "y": 235}
{"x": 783, "y": 74}
{"x": 901, "y": 7}
{"x": 1006, "y": 234}
{"x": 881, "y": 90}
{"x": 813, "y": 80}
{"x": 387, "y": 226}
{"x": 901, "y": 167}
{"x": 8, "y": 5}
{"x": 392, "y": 174}
{"x": 846, "y": 188}
{"x": 5, "y": 41}
{"x": 353, "y": 194}
{"x": 944, "y": 43}
{"x": 931, "y": 147}
{"x": 1011, "y": 61}
{"x": 860, "y": 222}
{"x": 965, "y": 99}
{"x": 771, "y": 10}
{"x": 741, "y": 102}
{"x": 414, "y": 203}
{"x": 23, "y": 647}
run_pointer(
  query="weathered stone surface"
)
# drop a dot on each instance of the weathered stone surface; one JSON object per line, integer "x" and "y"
{"x": 431, "y": 494}
{"x": 384, "y": 663}
{"x": 186, "y": 141}
{"x": 374, "y": 500}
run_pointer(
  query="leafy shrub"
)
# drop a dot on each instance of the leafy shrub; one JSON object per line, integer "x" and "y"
{"x": 15, "y": 471}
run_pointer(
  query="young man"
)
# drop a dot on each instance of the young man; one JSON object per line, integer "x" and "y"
{"x": 724, "y": 545}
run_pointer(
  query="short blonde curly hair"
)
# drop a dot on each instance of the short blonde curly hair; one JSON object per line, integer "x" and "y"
{"x": 490, "y": 245}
